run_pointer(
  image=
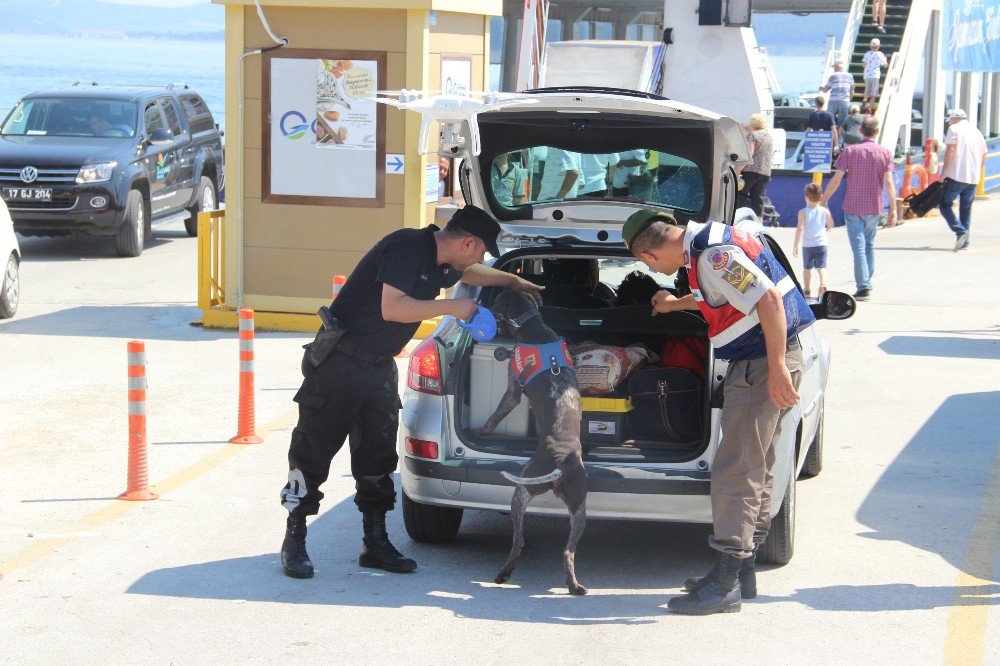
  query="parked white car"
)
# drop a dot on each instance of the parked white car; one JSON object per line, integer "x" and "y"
{"x": 676, "y": 158}
{"x": 10, "y": 256}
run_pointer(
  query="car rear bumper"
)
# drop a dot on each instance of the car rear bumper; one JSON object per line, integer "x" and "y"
{"x": 620, "y": 492}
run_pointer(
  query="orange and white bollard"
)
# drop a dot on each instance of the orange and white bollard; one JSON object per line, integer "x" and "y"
{"x": 338, "y": 283}
{"x": 138, "y": 466}
{"x": 246, "y": 432}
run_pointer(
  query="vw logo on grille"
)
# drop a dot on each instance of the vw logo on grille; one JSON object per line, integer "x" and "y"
{"x": 29, "y": 174}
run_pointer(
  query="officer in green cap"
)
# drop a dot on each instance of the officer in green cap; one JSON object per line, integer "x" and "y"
{"x": 754, "y": 314}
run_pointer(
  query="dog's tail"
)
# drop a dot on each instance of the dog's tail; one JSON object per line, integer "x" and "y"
{"x": 534, "y": 481}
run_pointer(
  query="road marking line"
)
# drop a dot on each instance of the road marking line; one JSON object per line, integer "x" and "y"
{"x": 966, "y": 637}
{"x": 119, "y": 508}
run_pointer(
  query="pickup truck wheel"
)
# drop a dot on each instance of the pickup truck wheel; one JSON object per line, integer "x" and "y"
{"x": 10, "y": 287}
{"x": 206, "y": 200}
{"x": 780, "y": 543}
{"x": 813, "y": 464}
{"x": 430, "y": 524}
{"x": 132, "y": 233}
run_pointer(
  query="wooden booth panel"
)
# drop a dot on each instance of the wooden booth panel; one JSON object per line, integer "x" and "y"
{"x": 318, "y": 28}
{"x": 295, "y": 273}
{"x": 321, "y": 228}
{"x": 461, "y": 33}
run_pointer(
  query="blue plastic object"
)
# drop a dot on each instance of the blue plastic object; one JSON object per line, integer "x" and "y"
{"x": 482, "y": 325}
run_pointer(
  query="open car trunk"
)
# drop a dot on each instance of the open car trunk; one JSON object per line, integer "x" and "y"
{"x": 612, "y": 421}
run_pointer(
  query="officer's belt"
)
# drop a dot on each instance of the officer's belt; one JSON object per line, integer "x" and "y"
{"x": 348, "y": 348}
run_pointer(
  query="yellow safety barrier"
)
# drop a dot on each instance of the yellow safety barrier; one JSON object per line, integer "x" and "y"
{"x": 981, "y": 189}
{"x": 211, "y": 260}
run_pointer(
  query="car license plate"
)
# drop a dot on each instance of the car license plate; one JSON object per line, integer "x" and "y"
{"x": 27, "y": 194}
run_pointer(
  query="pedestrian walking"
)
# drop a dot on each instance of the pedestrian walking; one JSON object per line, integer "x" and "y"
{"x": 964, "y": 164}
{"x": 840, "y": 85}
{"x": 754, "y": 314}
{"x": 874, "y": 62}
{"x": 757, "y": 175}
{"x": 878, "y": 15}
{"x": 822, "y": 120}
{"x": 810, "y": 233}
{"x": 350, "y": 373}
{"x": 851, "y": 130}
{"x": 868, "y": 168}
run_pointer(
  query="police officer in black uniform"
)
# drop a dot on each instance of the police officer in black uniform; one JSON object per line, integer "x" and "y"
{"x": 393, "y": 288}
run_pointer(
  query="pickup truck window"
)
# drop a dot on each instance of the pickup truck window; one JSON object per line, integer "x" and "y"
{"x": 152, "y": 118}
{"x": 198, "y": 116}
{"x": 71, "y": 117}
{"x": 173, "y": 122}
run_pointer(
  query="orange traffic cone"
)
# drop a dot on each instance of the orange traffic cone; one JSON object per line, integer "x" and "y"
{"x": 338, "y": 283}
{"x": 246, "y": 428}
{"x": 138, "y": 468}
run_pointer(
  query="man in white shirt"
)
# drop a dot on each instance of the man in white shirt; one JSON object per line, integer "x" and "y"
{"x": 964, "y": 162}
{"x": 630, "y": 163}
{"x": 561, "y": 176}
{"x": 874, "y": 62}
{"x": 598, "y": 173}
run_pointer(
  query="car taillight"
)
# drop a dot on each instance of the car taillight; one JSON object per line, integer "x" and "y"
{"x": 422, "y": 448}
{"x": 424, "y": 373}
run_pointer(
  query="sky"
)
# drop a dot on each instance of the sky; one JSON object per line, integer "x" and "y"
{"x": 159, "y": 3}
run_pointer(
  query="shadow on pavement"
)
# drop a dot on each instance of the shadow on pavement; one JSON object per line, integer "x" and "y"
{"x": 913, "y": 345}
{"x": 931, "y": 494}
{"x": 141, "y": 322}
{"x": 888, "y": 597}
{"x": 457, "y": 577}
{"x": 78, "y": 248}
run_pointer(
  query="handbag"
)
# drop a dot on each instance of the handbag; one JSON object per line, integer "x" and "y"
{"x": 921, "y": 203}
{"x": 667, "y": 405}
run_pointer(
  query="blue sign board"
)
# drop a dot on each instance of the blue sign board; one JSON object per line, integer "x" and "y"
{"x": 817, "y": 152}
{"x": 971, "y": 36}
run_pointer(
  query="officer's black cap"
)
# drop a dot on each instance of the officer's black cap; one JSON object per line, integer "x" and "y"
{"x": 478, "y": 222}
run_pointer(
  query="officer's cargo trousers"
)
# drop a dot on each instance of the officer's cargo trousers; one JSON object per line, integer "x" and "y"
{"x": 342, "y": 393}
{"x": 742, "y": 479}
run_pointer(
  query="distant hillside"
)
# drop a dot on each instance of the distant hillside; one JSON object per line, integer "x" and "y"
{"x": 94, "y": 17}
{"x": 788, "y": 34}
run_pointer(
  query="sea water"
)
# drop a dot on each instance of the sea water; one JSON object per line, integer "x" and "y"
{"x": 30, "y": 63}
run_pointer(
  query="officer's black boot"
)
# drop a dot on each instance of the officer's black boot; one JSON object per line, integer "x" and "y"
{"x": 294, "y": 558}
{"x": 377, "y": 551}
{"x": 722, "y": 595}
{"x": 747, "y": 576}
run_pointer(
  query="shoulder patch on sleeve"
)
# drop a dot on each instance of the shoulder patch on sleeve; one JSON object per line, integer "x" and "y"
{"x": 737, "y": 274}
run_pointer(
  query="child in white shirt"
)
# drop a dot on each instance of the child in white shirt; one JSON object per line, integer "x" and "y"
{"x": 814, "y": 220}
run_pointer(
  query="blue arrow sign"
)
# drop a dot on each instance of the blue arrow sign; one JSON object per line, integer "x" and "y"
{"x": 394, "y": 163}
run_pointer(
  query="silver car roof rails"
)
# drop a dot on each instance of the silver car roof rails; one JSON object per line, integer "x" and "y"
{"x": 85, "y": 83}
{"x": 171, "y": 86}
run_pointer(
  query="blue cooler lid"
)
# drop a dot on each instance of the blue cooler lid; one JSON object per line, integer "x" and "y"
{"x": 482, "y": 325}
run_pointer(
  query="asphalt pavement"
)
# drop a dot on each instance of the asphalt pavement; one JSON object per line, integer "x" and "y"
{"x": 897, "y": 548}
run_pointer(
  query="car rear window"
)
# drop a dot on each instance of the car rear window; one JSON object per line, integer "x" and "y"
{"x": 71, "y": 116}
{"x": 542, "y": 174}
{"x": 199, "y": 117}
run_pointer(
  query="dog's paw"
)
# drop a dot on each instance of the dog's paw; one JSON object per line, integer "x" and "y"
{"x": 503, "y": 576}
{"x": 578, "y": 590}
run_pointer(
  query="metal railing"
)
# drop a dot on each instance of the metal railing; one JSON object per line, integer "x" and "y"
{"x": 769, "y": 75}
{"x": 212, "y": 260}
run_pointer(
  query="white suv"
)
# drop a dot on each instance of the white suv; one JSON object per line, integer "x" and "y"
{"x": 544, "y": 172}
{"x": 10, "y": 264}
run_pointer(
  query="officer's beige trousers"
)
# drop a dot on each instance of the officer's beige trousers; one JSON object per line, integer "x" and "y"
{"x": 741, "y": 472}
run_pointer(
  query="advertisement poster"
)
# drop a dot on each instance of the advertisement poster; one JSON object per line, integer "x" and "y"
{"x": 456, "y": 75}
{"x": 971, "y": 36}
{"x": 345, "y": 116}
{"x": 325, "y": 141}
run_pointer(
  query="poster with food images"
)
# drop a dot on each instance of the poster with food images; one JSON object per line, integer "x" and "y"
{"x": 345, "y": 112}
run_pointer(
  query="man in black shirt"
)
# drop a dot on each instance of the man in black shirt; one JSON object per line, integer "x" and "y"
{"x": 393, "y": 288}
{"x": 822, "y": 120}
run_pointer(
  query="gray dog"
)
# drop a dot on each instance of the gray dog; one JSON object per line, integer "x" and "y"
{"x": 545, "y": 373}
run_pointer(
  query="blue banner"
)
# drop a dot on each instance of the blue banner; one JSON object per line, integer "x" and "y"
{"x": 817, "y": 152}
{"x": 971, "y": 36}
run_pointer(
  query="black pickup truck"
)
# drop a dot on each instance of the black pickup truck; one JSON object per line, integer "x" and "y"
{"x": 109, "y": 160}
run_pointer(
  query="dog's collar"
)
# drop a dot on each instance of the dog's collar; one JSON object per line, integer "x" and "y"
{"x": 521, "y": 320}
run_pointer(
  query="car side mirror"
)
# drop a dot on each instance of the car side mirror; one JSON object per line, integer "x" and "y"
{"x": 160, "y": 137}
{"x": 834, "y": 305}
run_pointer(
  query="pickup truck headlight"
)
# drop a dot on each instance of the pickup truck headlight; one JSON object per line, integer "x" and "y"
{"x": 95, "y": 173}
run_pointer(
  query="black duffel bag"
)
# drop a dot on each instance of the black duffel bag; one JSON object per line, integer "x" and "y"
{"x": 927, "y": 200}
{"x": 667, "y": 405}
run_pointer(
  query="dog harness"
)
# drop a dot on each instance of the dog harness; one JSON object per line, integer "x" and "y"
{"x": 734, "y": 335}
{"x": 530, "y": 361}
